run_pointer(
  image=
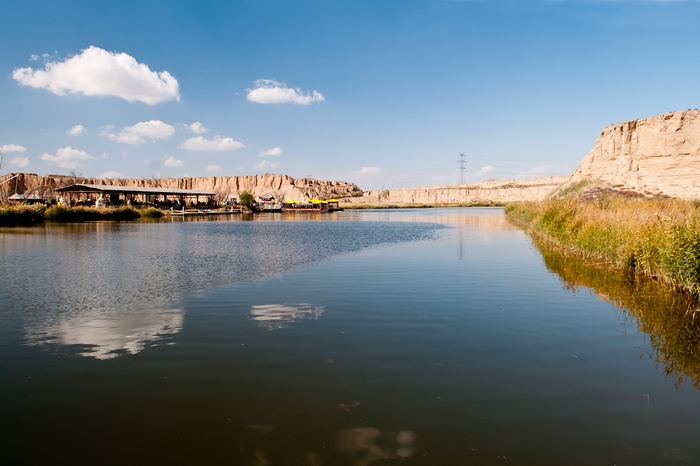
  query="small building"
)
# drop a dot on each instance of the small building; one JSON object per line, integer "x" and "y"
{"x": 267, "y": 198}
{"x": 87, "y": 194}
{"x": 26, "y": 198}
{"x": 313, "y": 205}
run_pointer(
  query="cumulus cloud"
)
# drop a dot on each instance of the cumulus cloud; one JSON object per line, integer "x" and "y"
{"x": 20, "y": 162}
{"x": 273, "y": 151}
{"x": 173, "y": 162}
{"x": 76, "y": 130}
{"x": 110, "y": 175}
{"x": 541, "y": 170}
{"x": 264, "y": 165}
{"x": 33, "y": 57}
{"x": 67, "y": 157}
{"x": 197, "y": 128}
{"x": 154, "y": 129}
{"x": 218, "y": 143}
{"x": 269, "y": 91}
{"x": 7, "y": 148}
{"x": 485, "y": 170}
{"x": 97, "y": 72}
{"x": 213, "y": 168}
{"x": 369, "y": 172}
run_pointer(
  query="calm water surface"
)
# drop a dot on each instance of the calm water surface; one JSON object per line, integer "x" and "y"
{"x": 435, "y": 337}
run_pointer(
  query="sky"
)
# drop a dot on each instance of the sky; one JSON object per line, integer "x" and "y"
{"x": 382, "y": 93}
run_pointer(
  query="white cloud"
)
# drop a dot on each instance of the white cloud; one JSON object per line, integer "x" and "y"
{"x": 273, "y": 151}
{"x": 197, "y": 128}
{"x": 76, "y": 130}
{"x": 213, "y": 168}
{"x": 7, "y": 148}
{"x": 369, "y": 172}
{"x": 67, "y": 157}
{"x": 154, "y": 129}
{"x": 33, "y": 57}
{"x": 269, "y": 91}
{"x": 541, "y": 170}
{"x": 218, "y": 143}
{"x": 264, "y": 165}
{"x": 485, "y": 170}
{"x": 173, "y": 162}
{"x": 20, "y": 162}
{"x": 97, "y": 72}
{"x": 111, "y": 175}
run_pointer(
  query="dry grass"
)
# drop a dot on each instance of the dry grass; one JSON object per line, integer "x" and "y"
{"x": 656, "y": 238}
{"x": 26, "y": 215}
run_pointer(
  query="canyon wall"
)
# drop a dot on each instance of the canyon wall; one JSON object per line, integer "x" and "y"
{"x": 491, "y": 191}
{"x": 659, "y": 155}
{"x": 281, "y": 186}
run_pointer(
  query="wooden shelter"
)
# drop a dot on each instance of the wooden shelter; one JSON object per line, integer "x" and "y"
{"x": 88, "y": 193}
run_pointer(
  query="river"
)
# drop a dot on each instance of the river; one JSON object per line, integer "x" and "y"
{"x": 433, "y": 336}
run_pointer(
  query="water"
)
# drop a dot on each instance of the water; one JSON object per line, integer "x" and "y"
{"x": 437, "y": 336}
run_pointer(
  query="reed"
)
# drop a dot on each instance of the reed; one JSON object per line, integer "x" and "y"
{"x": 655, "y": 238}
{"x": 151, "y": 212}
{"x": 21, "y": 215}
{"x": 81, "y": 214}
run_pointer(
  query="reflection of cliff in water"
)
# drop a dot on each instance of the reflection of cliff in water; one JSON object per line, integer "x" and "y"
{"x": 666, "y": 317}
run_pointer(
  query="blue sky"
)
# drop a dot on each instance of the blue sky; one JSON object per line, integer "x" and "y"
{"x": 384, "y": 93}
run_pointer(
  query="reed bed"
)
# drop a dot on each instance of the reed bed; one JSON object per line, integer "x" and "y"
{"x": 27, "y": 215}
{"x": 655, "y": 238}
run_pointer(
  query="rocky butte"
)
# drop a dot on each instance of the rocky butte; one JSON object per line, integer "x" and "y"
{"x": 659, "y": 155}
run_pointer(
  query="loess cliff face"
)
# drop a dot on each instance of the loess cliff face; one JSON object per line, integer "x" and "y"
{"x": 491, "y": 191}
{"x": 281, "y": 186}
{"x": 659, "y": 155}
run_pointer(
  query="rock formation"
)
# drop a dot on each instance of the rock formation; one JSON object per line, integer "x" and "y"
{"x": 659, "y": 155}
{"x": 491, "y": 191}
{"x": 281, "y": 186}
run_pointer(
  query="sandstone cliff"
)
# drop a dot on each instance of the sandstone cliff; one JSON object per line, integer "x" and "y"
{"x": 659, "y": 155}
{"x": 281, "y": 186}
{"x": 491, "y": 191}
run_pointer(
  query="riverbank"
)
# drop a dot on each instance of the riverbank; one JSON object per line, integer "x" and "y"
{"x": 654, "y": 238}
{"x": 27, "y": 215}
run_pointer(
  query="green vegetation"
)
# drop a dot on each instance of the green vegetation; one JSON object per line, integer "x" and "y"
{"x": 27, "y": 215}
{"x": 151, "y": 212}
{"x": 21, "y": 215}
{"x": 672, "y": 320}
{"x": 246, "y": 199}
{"x": 654, "y": 238}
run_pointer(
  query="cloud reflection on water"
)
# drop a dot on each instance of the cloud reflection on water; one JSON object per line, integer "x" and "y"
{"x": 374, "y": 445}
{"x": 277, "y": 316}
{"x": 107, "y": 334}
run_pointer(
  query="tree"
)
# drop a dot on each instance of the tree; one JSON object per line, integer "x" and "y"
{"x": 247, "y": 199}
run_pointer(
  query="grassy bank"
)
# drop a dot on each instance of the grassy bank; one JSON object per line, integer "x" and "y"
{"x": 655, "y": 238}
{"x": 27, "y": 215}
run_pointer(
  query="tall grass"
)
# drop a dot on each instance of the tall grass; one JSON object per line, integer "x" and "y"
{"x": 78, "y": 214}
{"x": 26, "y": 215}
{"x": 21, "y": 215}
{"x": 656, "y": 238}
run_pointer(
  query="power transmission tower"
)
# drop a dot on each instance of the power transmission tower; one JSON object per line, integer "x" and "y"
{"x": 462, "y": 167}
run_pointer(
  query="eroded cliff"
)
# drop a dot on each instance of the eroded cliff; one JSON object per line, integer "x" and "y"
{"x": 656, "y": 155}
{"x": 281, "y": 186}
